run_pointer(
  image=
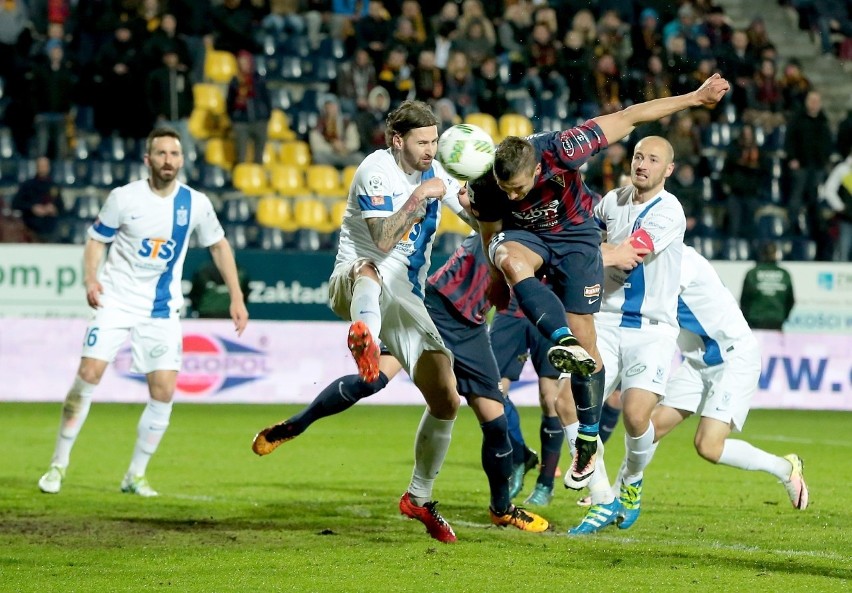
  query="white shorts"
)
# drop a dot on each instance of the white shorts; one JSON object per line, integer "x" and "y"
{"x": 722, "y": 392}
{"x": 639, "y": 358}
{"x": 156, "y": 344}
{"x": 407, "y": 330}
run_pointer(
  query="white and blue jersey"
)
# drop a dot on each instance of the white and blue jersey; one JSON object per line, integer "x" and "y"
{"x": 150, "y": 236}
{"x": 648, "y": 293}
{"x": 710, "y": 318}
{"x": 379, "y": 189}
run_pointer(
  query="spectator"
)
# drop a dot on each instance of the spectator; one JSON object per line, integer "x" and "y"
{"x": 766, "y": 103}
{"x": 232, "y": 27}
{"x": 355, "y": 79}
{"x": 744, "y": 178}
{"x": 689, "y": 191}
{"x": 844, "y": 132}
{"x": 838, "y": 195}
{"x": 738, "y": 64}
{"x": 581, "y": 93}
{"x": 334, "y": 140}
{"x": 543, "y": 60}
{"x": 645, "y": 38}
{"x": 794, "y": 86}
{"x": 716, "y": 28}
{"x": 411, "y": 10}
{"x": 14, "y": 17}
{"x": 121, "y": 89}
{"x": 607, "y": 83}
{"x": 584, "y": 23}
{"x": 472, "y": 10}
{"x": 371, "y": 120}
{"x": 809, "y": 147}
{"x": 40, "y": 202}
{"x": 656, "y": 82}
{"x": 445, "y": 23}
{"x": 445, "y": 111}
{"x": 680, "y": 65}
{"x": 460, "y": 85}
{"x": 396, "y": 76}
{"x": 284, "y": 19}
{"x": 832, "y": 16}
{"x": 474, "y": 43}
{"x": 169, "y": 94}
{"x": 405, "y": 36}
{"x": 604, "y": 171}
{"x": 767, "y": 295}
{"x": 53, "y": 88}
{"x": 512, "y": 31}
{"x": 612, "y": 37}
{"x": 194, "y": 26}
{"x": 758, "y": 37}
{"x": 249, "y": 108}
{"x": 686, "y": 25}
{"x": 166, "y": 39}
{"x": 685, "y": 139}
{"x": 428, "y": 78}
{"x": 373, "y": 31}
{"x": 490, "y": 92}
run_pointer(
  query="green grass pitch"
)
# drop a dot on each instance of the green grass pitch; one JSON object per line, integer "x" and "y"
{"x": 320, "y": 513}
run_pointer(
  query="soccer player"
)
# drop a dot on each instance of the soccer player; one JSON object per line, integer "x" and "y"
{"x": 514, "y": 339}
{"x": 148, "y": 222}
{"x": 455, "y": 299}
{"x": 637, "y": 325}
{"x": 378, "y": 279}
{"x": 717, "y": 380}
{"x": 545, "y": 223}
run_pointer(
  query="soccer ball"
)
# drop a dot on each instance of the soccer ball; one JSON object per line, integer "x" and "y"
{"x": 466, "y": 151}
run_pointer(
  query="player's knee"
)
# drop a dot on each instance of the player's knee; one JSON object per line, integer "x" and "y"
{"x": 90, "y": 372}
{"x": 708, "y": 449}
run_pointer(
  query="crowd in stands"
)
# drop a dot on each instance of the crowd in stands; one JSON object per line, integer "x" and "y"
{"x": 278, "y": 100}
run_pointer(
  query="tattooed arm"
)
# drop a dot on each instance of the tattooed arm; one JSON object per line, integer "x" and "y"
{"x": 386, "y": 232}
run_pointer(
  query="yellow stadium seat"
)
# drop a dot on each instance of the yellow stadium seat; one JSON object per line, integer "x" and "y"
{"x": 219, "y": 66}
{"x": 338, "y": 208}
{"x": 514, "y": 124}
{"x": 250, "y": 179}
{"x": 349, "y": 176}
{"x": 209, "y": 97}
{"x": 310, "y": 213}
{"x": 219, "y": 152}
{"x": 296, "y": 152}
{"x": 275, "y": 212}
{"x": 278, "y": 127}
{"x": 486, "y": 122}
{"x": 324, "y": 181}
{"x": 200, "y": 124}
{"x": 288, "y": 180}
{"x": 451, "y": 223}
{"x": 270, "y": 154}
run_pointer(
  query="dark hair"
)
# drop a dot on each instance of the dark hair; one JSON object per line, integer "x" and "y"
{"x": 769, "y": 252}
{"x": 409, "y": 116}
{"x": 512, "y": 156}
{"x": 160, "y": 133}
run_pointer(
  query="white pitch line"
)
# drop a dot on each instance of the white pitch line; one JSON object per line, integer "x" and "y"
{"x": 800, "y": 440}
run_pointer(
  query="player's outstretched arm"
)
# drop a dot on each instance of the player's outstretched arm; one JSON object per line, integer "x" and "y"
{"x": 616, "y": 126}
{"x": 223, "y": 258}
{"x": 387, "y": 232}
{"x": 93, "y": 255}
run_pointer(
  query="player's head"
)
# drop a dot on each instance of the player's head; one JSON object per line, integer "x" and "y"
{"x": 653, "y": 162}
{"x": 516, "y": 166}
{"x": 163, "y": 155}
{"x": 412, "y": 135}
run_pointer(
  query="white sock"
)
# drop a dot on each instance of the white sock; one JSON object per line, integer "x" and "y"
{"x": 638, "y": 452}
{"x": 365, "y": 304}
{"x": 74, "y": 413}
{"x": 599, "y": 487}
{"x": 746, "y": 456}
{"x": 571, "y": 437}
{"x": 430, "y": 448}
{"x": 152, "y": 426}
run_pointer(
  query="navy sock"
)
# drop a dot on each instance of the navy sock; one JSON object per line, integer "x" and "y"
{"x": 588, "y": 396}
{"x": 497, "y": 462}
{"x": 542, "y": 307}
{"x": 609, "y": 420}
{"x": 516, "y": 438}
{"x": 340, "y": 395}
{"x": 552, "y": 437}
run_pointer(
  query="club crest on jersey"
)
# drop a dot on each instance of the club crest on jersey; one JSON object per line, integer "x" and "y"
{"x": 182, "y": 217}
{"x": 558, "y": 180}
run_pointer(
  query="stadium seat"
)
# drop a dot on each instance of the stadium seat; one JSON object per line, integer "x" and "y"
{"x": 312, "y": 214}
{"x": 235, "y": 210}
{"x": 349, "y": 176}
{"x": 65, "y": 173}
{"x": 278, "y": 127}
{"x": 209, "y": 97}
{"x": 7, "y": 144}
{"x": 294, "y": 46}
{"x": 271, "y": 239}
{"x": 280, "y": 97}
{"x": 514, "y": 124}
{"x": 323, "y": 70}
{"x": 486, "y": 122}
{"x": 801, "y": 249}
{"x": 274, "y": 212}
{"x": 270, "y": 154}
{"x": 771, "y": 222}
{"x": 332, "y": 48}
{"x": 288, "y": 180}
{"x": 219, "y": 152}
{"x": 451, "y": 223}
{"x": 101, "y": 174}
{"x": 297, "y": 153}
{"x": 734, "y": 249}
{"x": 200, "y": 124}
{"x": 324, "y": 181}
{"x": 291, "y": 69}
{"x": 447, "y": 243}
{"x": 113, "y": 148}
{"x": 85, "y": 207}
{"x": 237, "y": 235}
{"x": 213, "y": 178}
{"x": 704, "y": 245}
{"x": 250, "y": 179}
{"x": 336, "y": 212}
{"x": 522, "y": 104}
{"x": 219, "y": 66}
{"x": 304, "y": 122}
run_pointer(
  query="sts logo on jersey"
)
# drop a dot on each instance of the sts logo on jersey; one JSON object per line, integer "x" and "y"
{"x": 163, "y": 249}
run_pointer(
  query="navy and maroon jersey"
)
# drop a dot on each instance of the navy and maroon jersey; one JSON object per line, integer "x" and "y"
{"x": 559, "y": 201}
{"x": 463, "y": 280}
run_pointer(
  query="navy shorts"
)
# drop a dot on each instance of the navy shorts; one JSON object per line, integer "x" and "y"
{"x": 572, "y": 263}
{"x": 514, "y": 339}
{"x": 473, "y": 361}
